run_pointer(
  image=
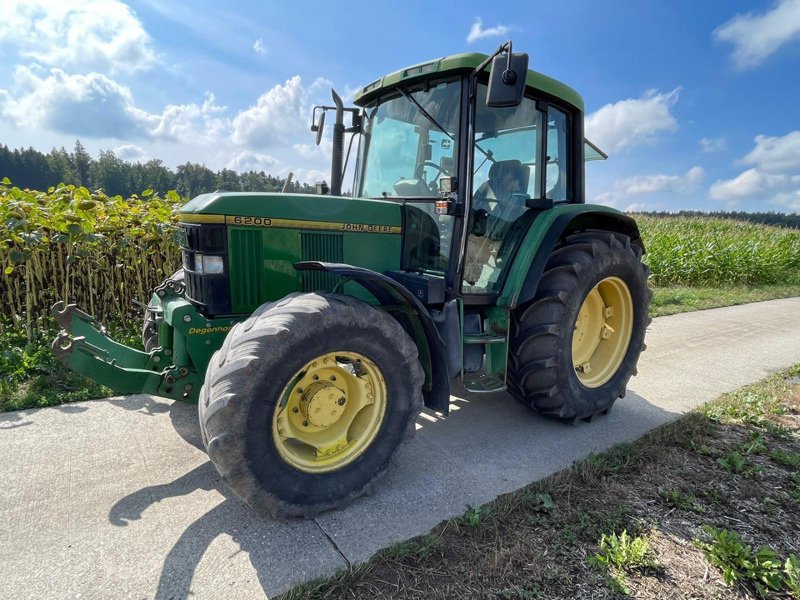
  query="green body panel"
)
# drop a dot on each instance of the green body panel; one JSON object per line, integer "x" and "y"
{"x": 288, "y": 228}
{"x": 531, "y": 245}
{"x": 458, "y": 63}
{"x": 261, "y": 261}
{"x": 307, "y": 207}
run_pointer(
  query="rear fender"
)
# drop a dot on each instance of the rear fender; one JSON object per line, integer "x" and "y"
{"x": 414, "y": 318}
{"x": 546, "y": 232}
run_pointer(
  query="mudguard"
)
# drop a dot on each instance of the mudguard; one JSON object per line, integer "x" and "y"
{"x": 545, "y": 233}
{"x": 414, "y": 318}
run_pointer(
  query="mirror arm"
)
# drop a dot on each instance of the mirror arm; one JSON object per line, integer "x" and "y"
{"x": 505, "y": 46}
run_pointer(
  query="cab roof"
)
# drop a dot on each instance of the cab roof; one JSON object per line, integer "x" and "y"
{"x": 460, "y": 63}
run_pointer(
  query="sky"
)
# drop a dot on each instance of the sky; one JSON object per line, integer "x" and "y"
{"x": 696, "y": 103}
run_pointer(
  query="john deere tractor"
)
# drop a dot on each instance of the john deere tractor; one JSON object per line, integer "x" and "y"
{"x": 312, "y": 329}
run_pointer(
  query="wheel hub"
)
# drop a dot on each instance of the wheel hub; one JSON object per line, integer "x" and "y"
{"x": 323, "y": 404}
{"x": 330, "y": 412}
{"x": 602, "y": 332}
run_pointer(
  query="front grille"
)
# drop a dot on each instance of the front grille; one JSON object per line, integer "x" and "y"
{"x": 209, "y": 292}
{"x": 323, "y": 247}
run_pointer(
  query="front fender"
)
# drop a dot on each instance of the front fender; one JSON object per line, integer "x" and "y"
{"x": 415, "y": 319}
{"x": 546, "y": 231}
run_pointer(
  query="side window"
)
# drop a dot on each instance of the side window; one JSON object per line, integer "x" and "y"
{"x": 557, "y": 187}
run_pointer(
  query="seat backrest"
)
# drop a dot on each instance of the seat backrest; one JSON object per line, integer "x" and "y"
{"x": 507, "y": 177}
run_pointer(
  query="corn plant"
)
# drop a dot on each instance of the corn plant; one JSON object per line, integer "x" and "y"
{"x": 701, "y": 251}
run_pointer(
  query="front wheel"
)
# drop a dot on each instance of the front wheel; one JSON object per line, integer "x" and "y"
{"x": 307, "y": 401}
{"x": 576, "y": 344}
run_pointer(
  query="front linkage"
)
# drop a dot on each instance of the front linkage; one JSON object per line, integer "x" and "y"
{"x": 186, "y": 341}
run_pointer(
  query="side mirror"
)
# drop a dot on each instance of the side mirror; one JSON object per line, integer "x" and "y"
{"x": 319, "y": 127}
{"x": 507, "y": 80}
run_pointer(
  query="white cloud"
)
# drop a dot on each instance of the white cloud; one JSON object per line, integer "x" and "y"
{"x": 640, "y": 185}
{"x": 627, "y": 123}
{"x": 130, "y": 152}
{"x": 96, "y": 107}
{"x": 88, "y": 105}
{"x": 193, "y": 123}
{"x": 84, "y": 35}
{"x": 775, "y": 154}
{"x": 712, "y": 145}
{"x": 773, "y": 178}
{"x": 247, "y": 160}
{"x": 278, "y": 114}
{"x": 751, "y": 184}
{"x": 479, "y": 32}
{"x": 755, "y": 37}
{"x": 259, "y": 48}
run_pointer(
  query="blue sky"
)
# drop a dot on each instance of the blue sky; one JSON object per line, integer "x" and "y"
{"x": 697, "y": 103}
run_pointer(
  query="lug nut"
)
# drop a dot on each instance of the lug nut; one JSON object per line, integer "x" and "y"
{"x": 341, "y": 401}
{"x": 295, "y": 410}
{"x": 333, "y": 377}
{"x": 305, "y": 423}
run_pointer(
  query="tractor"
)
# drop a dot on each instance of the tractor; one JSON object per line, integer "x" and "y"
{"x": 312, "y": 329}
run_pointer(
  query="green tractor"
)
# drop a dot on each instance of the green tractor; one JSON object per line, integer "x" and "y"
{"x": 312, "y": 329}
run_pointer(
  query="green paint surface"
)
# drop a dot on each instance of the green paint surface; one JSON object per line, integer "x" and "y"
{"x": 532, "y": 242}
{"x": 459, "y": 63}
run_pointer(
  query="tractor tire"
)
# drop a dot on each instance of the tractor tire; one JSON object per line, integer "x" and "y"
{"x": 149, "y": 330}
{"x": 575, "y": 345}
{"x": 307, "y": 402}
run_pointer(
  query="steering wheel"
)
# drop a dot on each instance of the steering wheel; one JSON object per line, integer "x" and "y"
{"x": 428, "y": 163}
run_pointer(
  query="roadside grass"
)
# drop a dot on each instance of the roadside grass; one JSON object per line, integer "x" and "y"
{"x": 662, "y": 517}
{"x": 670, "y": 300}
{"x": 33, "y": 378}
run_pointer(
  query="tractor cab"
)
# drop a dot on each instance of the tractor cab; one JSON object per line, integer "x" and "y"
{"x": 432, "y": 133}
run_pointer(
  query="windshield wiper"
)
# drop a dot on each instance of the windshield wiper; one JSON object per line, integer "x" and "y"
{"x": 424, "y": 112}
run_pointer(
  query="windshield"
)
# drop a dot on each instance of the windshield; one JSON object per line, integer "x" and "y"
{"x": 410, "y": 141}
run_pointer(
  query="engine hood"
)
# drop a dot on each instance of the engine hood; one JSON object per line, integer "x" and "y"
{"x": 319, "y": 212}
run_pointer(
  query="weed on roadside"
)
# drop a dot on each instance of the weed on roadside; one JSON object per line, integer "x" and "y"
{"x": 417, "y": 549}
{"x": 474, "y": 517}
{"x": 683, "y": 500}
{"x": 788, "y": 459}
{"x": 735, "y": 463}
{"x": 621, "y": 554}
{"x": 739, "y": 563}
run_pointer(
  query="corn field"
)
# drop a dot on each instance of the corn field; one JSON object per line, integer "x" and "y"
{"x": 702, "y": 251}
{"x": 72, "y": 244}
{"x": 104, "y": 252}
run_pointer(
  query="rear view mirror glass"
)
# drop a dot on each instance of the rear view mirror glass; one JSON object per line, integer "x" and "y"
{"x": 507, "y": 81}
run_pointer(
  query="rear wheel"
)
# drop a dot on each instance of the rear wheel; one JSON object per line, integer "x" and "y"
{"x": 576, "y": 344}
{"x": 307, "y": 402}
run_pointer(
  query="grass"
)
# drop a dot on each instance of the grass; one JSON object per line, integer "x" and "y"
{"x": 33, "y": 378}
{"x": 670, "y": 300}
{"x": 658, "y": 518}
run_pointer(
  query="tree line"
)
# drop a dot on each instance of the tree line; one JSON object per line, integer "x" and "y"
{"x": 32, "y": 169}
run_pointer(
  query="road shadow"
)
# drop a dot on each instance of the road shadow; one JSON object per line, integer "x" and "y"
{"x": 148, "y": 405}
{"x": 12, "y": 420}
{"x": 489, "y": 445}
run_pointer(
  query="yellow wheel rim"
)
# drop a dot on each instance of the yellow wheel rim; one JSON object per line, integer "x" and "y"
{"x": 602, "y": 332}
{"x": 330, "y": 412}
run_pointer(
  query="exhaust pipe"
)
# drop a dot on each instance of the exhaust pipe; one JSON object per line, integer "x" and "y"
{"x": 287, "y": 183}
{"x": 338, "y": 147}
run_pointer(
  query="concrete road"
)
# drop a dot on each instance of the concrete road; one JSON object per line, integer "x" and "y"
{"x": 115, "y": 499}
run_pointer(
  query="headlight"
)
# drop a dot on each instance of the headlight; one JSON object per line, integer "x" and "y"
{"x": 211, "y": 265}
